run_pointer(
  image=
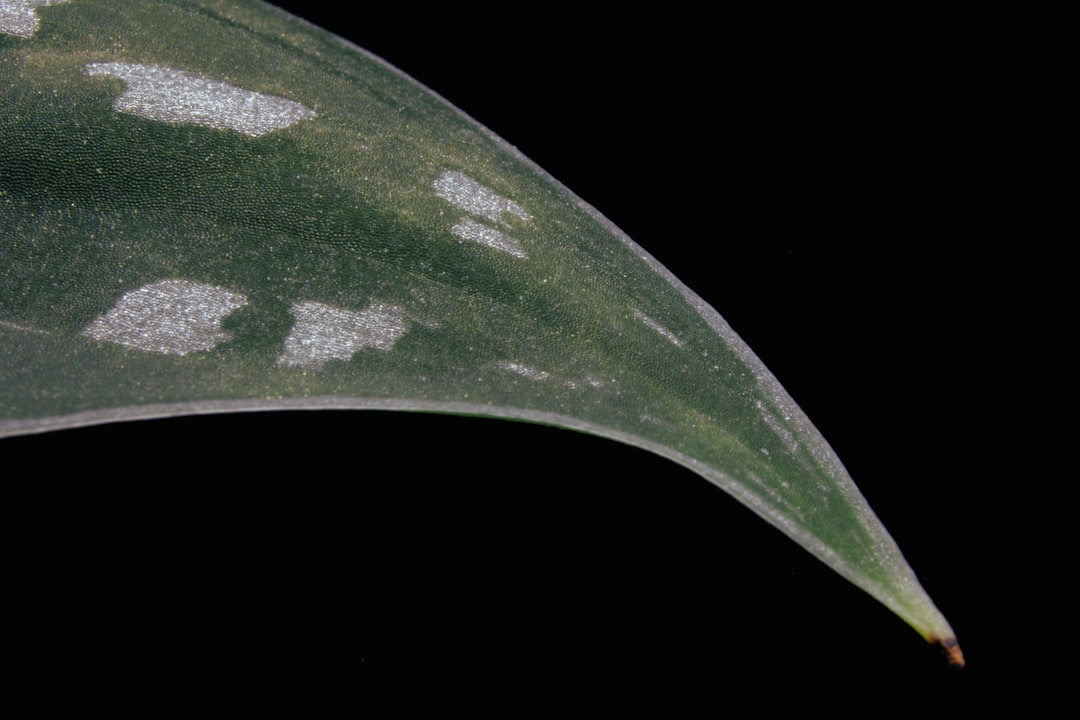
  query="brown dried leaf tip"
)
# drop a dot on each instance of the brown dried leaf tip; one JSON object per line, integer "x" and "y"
{"x": 952, "y": 650}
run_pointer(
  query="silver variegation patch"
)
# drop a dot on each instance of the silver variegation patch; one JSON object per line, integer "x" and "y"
{"x": 323, "y": 332}
{"x": 177, "y": 97}
{"x": 469, "y": 229}
{"x": 663, "y": 331}
{"x": 525, "y": 371}
{"x": 172, "y": 317}
{"x": 19, "y": 18}
{"x": 464, "y": 192}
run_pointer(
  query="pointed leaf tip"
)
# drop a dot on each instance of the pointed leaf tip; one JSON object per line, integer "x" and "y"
{"x": 952, "y": 650}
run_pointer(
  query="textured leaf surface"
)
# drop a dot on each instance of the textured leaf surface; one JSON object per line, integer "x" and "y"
{"x": 263, "y": 216}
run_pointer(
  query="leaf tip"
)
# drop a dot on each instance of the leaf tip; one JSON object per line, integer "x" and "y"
{"x": 951, "y": 648}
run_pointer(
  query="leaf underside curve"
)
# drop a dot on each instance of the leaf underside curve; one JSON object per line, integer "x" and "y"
{"x": 256, "y": 214}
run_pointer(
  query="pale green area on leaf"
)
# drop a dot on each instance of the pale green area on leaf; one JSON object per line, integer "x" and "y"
{"x": 247, "y": 212}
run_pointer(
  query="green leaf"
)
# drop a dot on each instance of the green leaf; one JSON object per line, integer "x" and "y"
{"x": 248, "y": 213}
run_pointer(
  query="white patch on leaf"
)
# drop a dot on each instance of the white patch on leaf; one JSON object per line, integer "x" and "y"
{"x": 322, "y": 332}
{"x": 469, "y": 229}
{"x": 172, "y": 317}
{"x": 462, "y": 191}
{"x": 18, "y": 17}
{"x": 469, "y": 195}
{"x": 176, "y": 97}
{"x": 664, "y": 332}
{"x": 525, "y": 371}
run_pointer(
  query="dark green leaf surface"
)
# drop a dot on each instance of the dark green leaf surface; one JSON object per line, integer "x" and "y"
{"x": 380, "y": 250}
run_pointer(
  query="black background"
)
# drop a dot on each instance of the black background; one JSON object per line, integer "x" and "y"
{"x": 816, "y": 186}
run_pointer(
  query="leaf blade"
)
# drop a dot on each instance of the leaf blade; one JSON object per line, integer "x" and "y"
{"x": 522, "y": 331}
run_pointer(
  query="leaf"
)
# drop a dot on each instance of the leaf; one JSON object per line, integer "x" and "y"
{"x": 327, "y": 234}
